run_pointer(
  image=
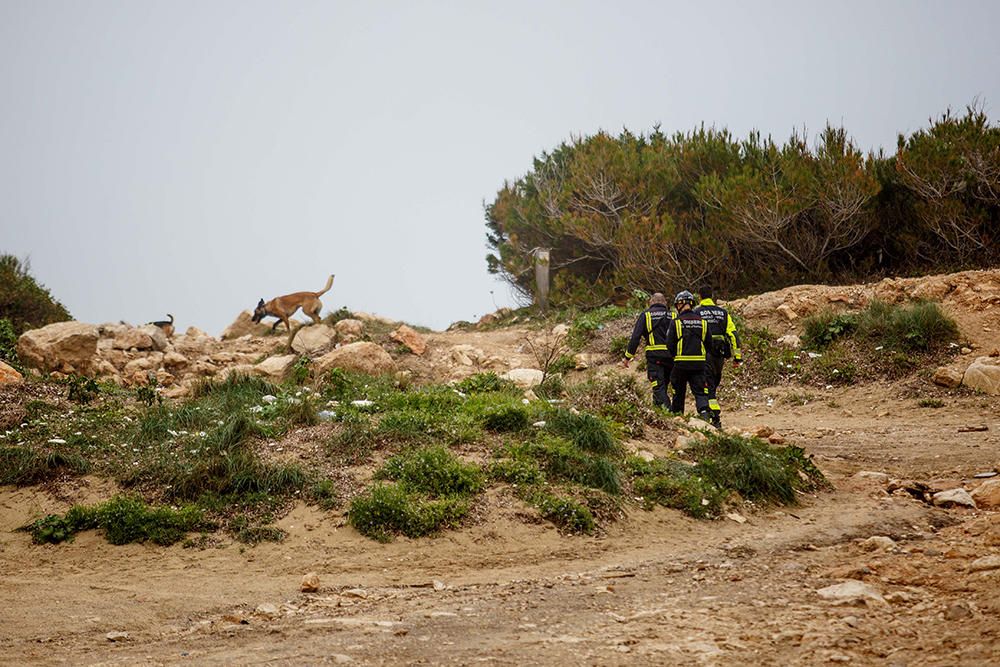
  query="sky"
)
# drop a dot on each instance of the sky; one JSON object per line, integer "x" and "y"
{"x": 193, "y": 157}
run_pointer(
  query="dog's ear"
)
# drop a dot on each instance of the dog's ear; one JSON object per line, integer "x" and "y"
{"x": 260, "y": 303}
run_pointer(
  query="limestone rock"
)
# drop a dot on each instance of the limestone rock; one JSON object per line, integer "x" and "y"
{"x": 524, "y": 377}
{"x": 987, "y": 494}
{"x": 127, "y": 339}
{"x": 8, "y": 375}
{"x": 157, "y": 335}
{"x": 560, "y": 330}
{"x": 985, "y": 564}
{"x": 314, "y": 339}
{"x": 984, "y": 375}
{"x": 585, "y": 360}
{"x": 787, "y": 311}
{"x": 243, "y": 325}
{"x": 349, "y": 330}
{"x": 174, "y": 361}
{"x": 363, "y": 357}
{"x": 276, "y": 368}
{"x": 195, "y": 332}
{"x": 116, "y": 636}
{"x": 410, "y": 338}
{"x": 267, "y": 610}
{"x": 791, "y": 341}
{"x": 878, "y": 543}
{"x": 310, "y": 583}
{"x": 953, "y": 497}
{"x": 465, "y": 355}
{"x": 67, "y": 347}
{"x": 762, "y": 431}
{"x": 948, "y": 377}
{"x": 852, "y": 591}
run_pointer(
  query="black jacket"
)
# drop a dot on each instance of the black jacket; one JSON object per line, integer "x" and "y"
{"x": 688, "y": 340}
{"x": 651, "y": 326}
{"x": 721, "y": 330}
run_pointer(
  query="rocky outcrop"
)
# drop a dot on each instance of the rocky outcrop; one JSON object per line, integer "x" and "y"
{"x": 984, "y": 375}
{"x": 157, "y": 335}
{"x": 314, "y": 339}
{"x": 66, "y": 347}
{"x": 413, "y": 341}
{"x": 362, "y": 357}
{"x": 276, "y": 368}
{"x": 244, "y": 325}
{"x": 987, "y": 494}
{"x": 349, "y": 330}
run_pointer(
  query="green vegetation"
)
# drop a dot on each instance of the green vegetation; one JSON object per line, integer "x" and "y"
{"x": 8, "y": 344}
{"x": 916, "y": 327}
{"x": 930, "y": 403}
{"x": 23, "y": 302}
{"x": 658, "y": 209}
{"x": 124, "y": 520}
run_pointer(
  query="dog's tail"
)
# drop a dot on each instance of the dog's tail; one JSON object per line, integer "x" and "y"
{"x": 171, "y": 318}
{"x": 329, "y": 284}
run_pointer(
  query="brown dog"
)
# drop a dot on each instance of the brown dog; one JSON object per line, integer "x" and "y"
{"x": 168, "y": 327}
{"x": 284, "y": 307}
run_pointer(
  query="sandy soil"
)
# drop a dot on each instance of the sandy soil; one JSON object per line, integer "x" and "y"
{"x": 656, "y": 588}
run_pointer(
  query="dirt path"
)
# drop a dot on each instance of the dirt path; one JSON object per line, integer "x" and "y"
{"x": 657, "y": 588}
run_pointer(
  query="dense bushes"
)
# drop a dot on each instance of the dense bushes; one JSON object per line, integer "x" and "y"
{"x": 660, "y": 212}
{"x": 917, "y": 327}
{"x": 23, "y": 301}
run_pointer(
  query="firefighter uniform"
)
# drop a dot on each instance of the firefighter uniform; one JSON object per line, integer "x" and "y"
{"x": 688, "y": 339}
{"x": 652, "y": 326}
{"x": 724, "y": 343}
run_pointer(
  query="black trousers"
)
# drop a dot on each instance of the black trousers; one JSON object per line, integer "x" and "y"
{"x": 680, "y": 379}
{"x": 658, "y": 372}
{"x": 713, "y": 375}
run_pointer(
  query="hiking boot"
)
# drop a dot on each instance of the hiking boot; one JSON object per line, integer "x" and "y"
{"x": 716, "y": 422}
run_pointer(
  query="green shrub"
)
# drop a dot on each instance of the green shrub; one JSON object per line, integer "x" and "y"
{"x": 821, "y": 329}
{"x": 23, "y": 302}
{"x": 433, "y": 471}
{"x": 586, "y": 431}
{"x": 918, "y": 327}
{"x": 569, "y": 515}
{"x": 8, "y": 344}
{"x": 82, "y": 390}
{"x": 325, "y": 493}
{"x": 485, "y": 382}
{"x": 552, "y": 387}
{"x": 618, "y": 346}
{"x": 834, "y": 367}
{"x": 561, "y": 459}
{"x": 23, "y": 466}
{"x": 388, "y": 509}
{"x": 930, "y": 403}
{"x": 516, "y": 471}
{"x": 586, "y": 324}
{"x": 676, "y": 485}
{"x": 562, "y": 365}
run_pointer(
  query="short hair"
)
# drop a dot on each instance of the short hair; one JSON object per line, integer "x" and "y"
{"x": 705, "y": 291}
{"x": 658, "y": 299}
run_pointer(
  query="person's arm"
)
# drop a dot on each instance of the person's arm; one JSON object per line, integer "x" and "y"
{"x": 734, "y": 339}
{"x": 638, "y": 333}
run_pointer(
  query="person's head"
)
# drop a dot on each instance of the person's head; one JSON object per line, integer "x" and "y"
{"x": 684, "y": 301}
{"x": 705, "y": 291}
{"x": 658, "y": 300}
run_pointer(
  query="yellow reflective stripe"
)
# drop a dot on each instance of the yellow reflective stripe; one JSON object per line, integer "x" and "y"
{"x": 680, "y": 339}
{"x": 655, "y": 347}
{"x": 628, "y": 355}
{"x": 714, "y": 404}
{"x": 649, "y": 328}
{"x": 690, "y": 357}
{"x": 704, "y": 329}
{"x": 653, "y": 382}
{"x": 731, "y": 332}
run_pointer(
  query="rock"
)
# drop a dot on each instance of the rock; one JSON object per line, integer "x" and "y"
{"x": 953, "y": 497}
{"x": 880, "y": 477}
{"x": 149, "y": 362}
{"x": 410, "y": 338}
{"x": 736, "y": 516}
{"x": 585, "y": 360}
{"x": 127, "y": 339}
{"x": 987, "y": 494}
{"x": 117, "y": 636}
{"x": 791, "y": 341}
{"x": 985, "y": 564}
{"x": 524, "y": 377}
{"x": 958, "y": 612}
{"x": 966, "y": 350}
{"x": 244, "y": 325}
{"x": 438, "y": 585}
{"x": 314, "y": 339}
{"x": 560, "y": 330}
{"x": 646, "y": 455}
{"x": 349, "y": 330}
{"x": 9, "y": 375}
{"x": 465, "y": 355}
{"x": 946, "y": 376}
{"x": 310, "y": 583}
{"x": 852, "y": 591}
{"x": 983, "y": 375}
{"x": 363, "y": 357}
{"x": 878, "y": 543}
{"x": 787, "y": 311}
{"x": 276, "y": 368}
{"x": 157, "y": 335}
{"x": 267, "y": 610}
{"x": 776, "y": 439}
{"x": 174, "y": 361}
{"x": 195, "y": 332}
{"x": 66, "y": 347}
{"x": 762, "y": 431}
{"x": 355, "y": 593}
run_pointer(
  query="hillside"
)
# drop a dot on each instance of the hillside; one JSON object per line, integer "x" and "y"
{"x": 869, "y": 568}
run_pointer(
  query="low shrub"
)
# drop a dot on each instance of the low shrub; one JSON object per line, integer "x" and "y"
{"x": 823, "y": 328}
{"x": 584, "y": 430}
{"x": 22, "y": 465}
{"x": 484, "y": 382}
{"x": 562, "y": 460}
{"x": 389, "y": 509}
{"x": 433, "y": 471}
{"x": 515, "y": 471}
{"x": 566, "y": 513}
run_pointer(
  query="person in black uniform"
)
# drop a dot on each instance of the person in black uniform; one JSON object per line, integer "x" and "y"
{"x": 688, "y": 339}
{"x": 652, "y": 327}
{"x": 724, "y": 343}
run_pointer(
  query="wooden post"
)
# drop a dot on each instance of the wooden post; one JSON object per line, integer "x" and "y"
{"x": 542, "y": 277}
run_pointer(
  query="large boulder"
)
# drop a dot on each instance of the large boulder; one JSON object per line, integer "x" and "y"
{"x": 9, "y": 375}
{"x": 984, "y": 375}
{"x": 129, "y": 338}
{"x": 524, "y": 377}
{"x": 349, "y": 330}
{"x": 67, "y": 347}
{"x": 276, "y": 368}
{"x": 243, "y": 325}
{"x": 411, "y": 339}
{"x": 987, "y": 494}
{"x": 363, "y": 357}
{"x": 314, "y": 339}
{"x": 947, "y": 376}
{"x": 157, "y": 335}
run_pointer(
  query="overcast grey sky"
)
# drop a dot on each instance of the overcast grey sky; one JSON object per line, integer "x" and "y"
{"x": 192, "y": 157}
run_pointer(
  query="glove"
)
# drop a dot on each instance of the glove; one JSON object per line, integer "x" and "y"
{"x": 737, "y": 363}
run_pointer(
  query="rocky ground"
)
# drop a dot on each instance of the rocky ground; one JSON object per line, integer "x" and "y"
{"x": 871, "y": 571}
